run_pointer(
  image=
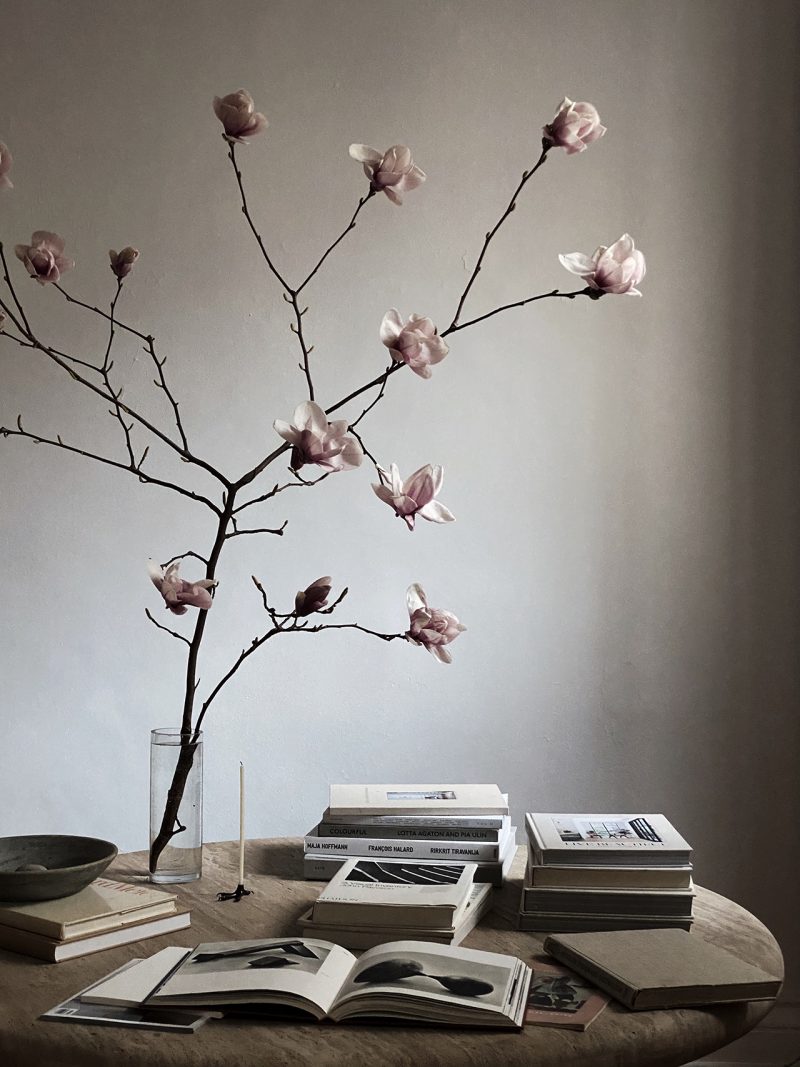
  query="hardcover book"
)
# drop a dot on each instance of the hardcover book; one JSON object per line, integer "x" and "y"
{"x": 676, "y": 903}
{"x": 478, "y": 904}
{"x": 417, "y": 828}
{"x": 436, "y": 799}
{"x": 647, "y": 969}
{"x": 366, "y": 892}
{"x": 649, "y": 840}
{"x": 573, "y": 876}
{"x": 559, "y": 997}
{"x": 409, "y": 981}
{"x": 404, "y": 847}
{"x": 103, "y": 905}
{"x": 54, "y": 951}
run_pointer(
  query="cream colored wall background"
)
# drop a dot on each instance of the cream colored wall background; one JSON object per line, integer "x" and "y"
{"x": 625, "y": 555}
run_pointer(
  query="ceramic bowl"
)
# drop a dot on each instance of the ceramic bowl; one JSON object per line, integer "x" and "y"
{"x": 70, "y": 863}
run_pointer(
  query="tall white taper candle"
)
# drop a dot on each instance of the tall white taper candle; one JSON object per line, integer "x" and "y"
{"x": 241, "y": 823}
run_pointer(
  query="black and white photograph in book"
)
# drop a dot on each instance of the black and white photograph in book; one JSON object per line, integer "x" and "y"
{"x": 558, "y": 992}
{"x": 266, "y": 954}
{"x": 460, "y": 980}
{"x": 405, "y": 873}
{"x": 605, "y": 829}
{"x": 431, "y": 794}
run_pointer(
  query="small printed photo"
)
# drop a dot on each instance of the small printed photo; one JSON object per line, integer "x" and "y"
{"x": 269, "y": 953}
{"x": 432, "y": 794}
{"x": 461, "y": 981}
{"x": 557, "y": 992}
{"x": 398, "y": 873}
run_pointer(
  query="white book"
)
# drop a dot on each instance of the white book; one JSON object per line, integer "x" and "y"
{"x": 435, "y": 799}
{"x": 649, "y": 840}
{"x": 367, "y": 892}
{"x": 405, "y": 848}
{"x": 130, "y": 987}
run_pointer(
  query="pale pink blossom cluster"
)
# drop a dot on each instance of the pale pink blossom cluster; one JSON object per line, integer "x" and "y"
{"x": 315, "y": 440}
{"x": 415, "y": 342}
{"x": 574, "y": 128}
{"x": 44, "y": 257}
{"x": 393, "y": 172}
{"x": 617, "y": 268}
{"x": 179, "y": 595}
{"x": 6, "y": 160}
{"x": 122, "y": 262}
{"x": 432, "y": 628}
{"x": 238, "y": 116}
{"x": 415, "y": 495}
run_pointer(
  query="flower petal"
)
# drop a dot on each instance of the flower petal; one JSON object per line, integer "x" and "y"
{"x": 364, "y": 154}
{"x": 436, "y": 512}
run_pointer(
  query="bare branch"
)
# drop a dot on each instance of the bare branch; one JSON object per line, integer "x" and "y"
{"x": 145, "y": 479}
{"x": 593, "y": 294}
{"x": 162, "y": 384}
{"x": 350, "y": 226}
{"x": 185, "y": 555}
{"x": 241, "y": 533}
{"x": 19, "y": 306}
{"x": 280, "y": 488}
{"x": 526, "y": 176}
{"x": 251, "y": 224}
{"x": 98, "y": 311}
{"x": 166, "y": 629}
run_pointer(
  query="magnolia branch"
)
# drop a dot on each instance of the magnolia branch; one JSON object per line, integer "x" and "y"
{"x": 263, "y": 530}
{"x": 526, "y": 177}
{"x": 132, "y": 468}
{"x": 166, "y": 629}
{"x": 277, "y": 488}
{"x": 350, "y": 226}
{"x": 162, "y": 384}
{"x": 593, "y": 294}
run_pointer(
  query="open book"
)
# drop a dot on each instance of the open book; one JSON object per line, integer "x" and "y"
{"x": 412, "y": 981}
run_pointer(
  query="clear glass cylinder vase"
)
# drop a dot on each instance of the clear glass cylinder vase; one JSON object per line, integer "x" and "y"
{"x": 176, "y": 806}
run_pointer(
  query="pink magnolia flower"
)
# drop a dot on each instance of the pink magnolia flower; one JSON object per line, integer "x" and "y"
{"x": 393, "y": 172}
{"x": 616, "y": 269}
{"x": 415, "y": 342}
{"x": 44, "y": 257}
{"x": 432, "y": 628}
{"x": 313, "y": 597}
{"x": 415, "y": 495}
{"x": 179, "y": 595}
{"x": 315, "y": 440}
{"x": 121, "y": 262}
{"x": 6, "y": 160}
{"x": 574, "y": 127}
{"x": 238, "y": 116}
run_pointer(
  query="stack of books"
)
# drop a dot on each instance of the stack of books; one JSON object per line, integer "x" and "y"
{"x": 466, "y": 823}
{"x": 368, "y": 902}
{"x": 605, "y": 872}
{"x": 103, "y": 915}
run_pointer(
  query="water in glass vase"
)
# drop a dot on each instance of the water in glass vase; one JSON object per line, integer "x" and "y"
{"x": 176, "y": 806}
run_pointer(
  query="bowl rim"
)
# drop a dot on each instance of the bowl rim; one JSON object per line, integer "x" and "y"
{"x": 111, "y": 855}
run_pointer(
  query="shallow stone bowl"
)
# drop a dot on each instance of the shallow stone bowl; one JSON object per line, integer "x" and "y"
{"x": 70, "y": 863}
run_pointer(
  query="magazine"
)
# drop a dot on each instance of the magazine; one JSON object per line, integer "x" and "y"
{"x": 413, "y": 981}
{"x": 167, "y": 1020}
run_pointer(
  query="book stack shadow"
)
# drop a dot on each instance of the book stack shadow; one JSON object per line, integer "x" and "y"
{"x": 461, "y": 823}
{"x": 605, "y": 872}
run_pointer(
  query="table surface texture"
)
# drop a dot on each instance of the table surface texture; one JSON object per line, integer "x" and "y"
{"x": 618, "y": 1038}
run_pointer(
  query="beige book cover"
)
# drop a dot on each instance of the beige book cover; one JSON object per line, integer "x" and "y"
{"x": 100, "y": 906}
{"x": 661, "y": 968}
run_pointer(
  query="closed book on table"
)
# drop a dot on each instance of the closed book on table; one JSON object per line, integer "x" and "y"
{"x": 103, "y": 905}
{"x": 404, "y": 848}
{"x": 416, "y": 828}
{"x": 647, "y": 969}
{"x": 367, "y": 892}
{"x": 604, "y": 839}
{"x": 674, "y": 903}
{"x": 436, "y": 799}
{"x": 54, "y": 951}
{"x": 321, "y": 868}
{"x": 573, "y": 876}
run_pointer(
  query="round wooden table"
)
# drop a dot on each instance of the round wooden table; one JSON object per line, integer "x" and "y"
{"x": 617, "y": 1039}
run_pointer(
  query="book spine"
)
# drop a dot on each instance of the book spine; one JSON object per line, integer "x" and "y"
{"x": 418, "y": 833}
{"x": 377, "y": 848}
{"x": 609, "y": 983}
{"x": 464, "y": 822}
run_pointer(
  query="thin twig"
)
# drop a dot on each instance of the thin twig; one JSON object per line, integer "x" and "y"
{"x": 185, "y": 555}
{"x": 162, "y": 384}
{"x": 6, "y": 431}
{"x": 19, "y": 306}
{"x": 369, "y": 407}
{"x": 593, "y": 294}
{"x": 251, "y": 224}
{"x": 526, "y": 176}
{"x": 365, "y": 450}
{"x": 98, "y": 311}
{"x": 241, "y": 533}
{"x": 297, "y": 484}
{"x": 350, "y": 226}
{"x": 166, "y": 629}
{"x": 105, "y": 370}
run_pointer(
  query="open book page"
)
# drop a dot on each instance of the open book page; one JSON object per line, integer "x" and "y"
{"x": 418, "y": 979}
{"x": 296, "y": 972}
